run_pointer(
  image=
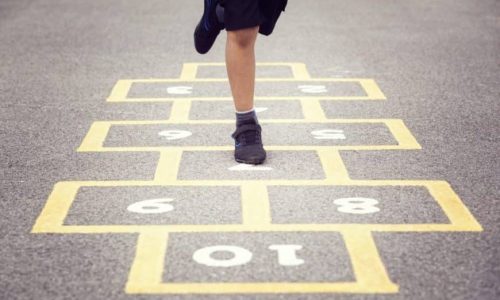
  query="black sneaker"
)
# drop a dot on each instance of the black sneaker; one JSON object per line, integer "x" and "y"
{"x": 208, "y": 28}
{"x": 248, "y": 144}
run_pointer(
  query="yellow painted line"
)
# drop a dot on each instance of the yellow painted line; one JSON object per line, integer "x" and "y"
{"x": 168, "y": 165}
{"x": 267, "y": 182}
{"x": 453, "y": 207}
{"x": 300, "y": 71}
{"x": 95, "y": 137}
{"x": 394, "y": 124}
{"x": 254, "y": 288}
{"x": 366, "y": 83}
{"x": 208, "y": 64}
{"x": 367, "y": 265}
{"x": 98, "y": 229}
{"x": 51, "y": 219}
{"x": 221, "y": 183}
{"x": 180, "y": 111}
{"x": 312, "y": 110}
{"x": 372, "y": 89}
{"x": 120, "y": 90}
{"x": 255, "y": 204}
{"x": 230, "y": 148}
{"x": 333, "y": 166}
{"x": 270, "y": 64}
{"x": 257, "y": 98}
{"x": 147, "y": 268}
{"x": 189, "y": 71}
{"x": 402, "y": 134}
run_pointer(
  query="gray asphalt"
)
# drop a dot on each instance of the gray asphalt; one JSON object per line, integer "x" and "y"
{"x": 437, "y": 62}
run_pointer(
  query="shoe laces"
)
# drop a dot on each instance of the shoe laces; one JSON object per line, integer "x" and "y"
{"x": 248, "y": 134}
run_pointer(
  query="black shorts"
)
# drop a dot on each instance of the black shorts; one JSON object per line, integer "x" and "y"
{"x": 240, "y": 14}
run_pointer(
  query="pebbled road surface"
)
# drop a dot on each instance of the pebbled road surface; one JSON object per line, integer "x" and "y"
{"x": 437, "y": 62}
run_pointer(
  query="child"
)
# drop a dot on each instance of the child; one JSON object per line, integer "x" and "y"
{"x": 242, "y": 19}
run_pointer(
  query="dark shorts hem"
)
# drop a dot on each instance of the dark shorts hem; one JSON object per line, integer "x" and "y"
{"x": 242, "y": 14}
{"x": 239, "y": 26}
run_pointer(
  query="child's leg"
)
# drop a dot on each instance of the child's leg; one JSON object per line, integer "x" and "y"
{"x": 240, "y": 64}
{"x": 240, "y": 61}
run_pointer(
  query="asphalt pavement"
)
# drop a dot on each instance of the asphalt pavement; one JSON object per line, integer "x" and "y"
{"x": 381, "y": 121}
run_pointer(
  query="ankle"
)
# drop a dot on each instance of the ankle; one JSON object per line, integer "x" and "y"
{"x": 246, "y": 117}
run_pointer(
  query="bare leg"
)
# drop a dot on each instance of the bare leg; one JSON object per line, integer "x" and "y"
{"x": 240, "y": 64}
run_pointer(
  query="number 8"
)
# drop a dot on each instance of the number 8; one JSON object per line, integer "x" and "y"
{"x": 357, "y": 205}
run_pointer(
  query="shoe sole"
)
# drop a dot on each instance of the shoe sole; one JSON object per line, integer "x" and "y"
{"x": 250, "y": 162}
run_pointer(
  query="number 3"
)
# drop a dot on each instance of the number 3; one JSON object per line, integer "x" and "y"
{"x": 357, "y": 205}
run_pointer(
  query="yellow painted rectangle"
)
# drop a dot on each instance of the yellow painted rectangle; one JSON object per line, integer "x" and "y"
{"x": 146, "y": 277}
{"x": 52, "y": 217}
{"x": 95, "y": 138}
{"x": 368, "y": 87}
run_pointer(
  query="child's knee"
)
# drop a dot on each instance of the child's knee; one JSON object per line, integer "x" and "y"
{"x": 244, "y": 37}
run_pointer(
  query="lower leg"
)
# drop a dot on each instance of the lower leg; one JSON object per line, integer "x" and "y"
{"x": 240, "y": 64}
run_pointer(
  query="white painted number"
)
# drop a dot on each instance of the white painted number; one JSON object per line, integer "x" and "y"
{"x": 313, "y": 89}
{"x": 180, "y": 90}
{"x": 260, "y": 109}
{"x": 152, "y": 206}
{"x": 357, "y": 205}
{"x": 246, "y": 167}
{"x": 175, "y": 134}
{"x": 329, "y": 134}
{"x": 287, "y": 255}
{"x": 241, "y": 256}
